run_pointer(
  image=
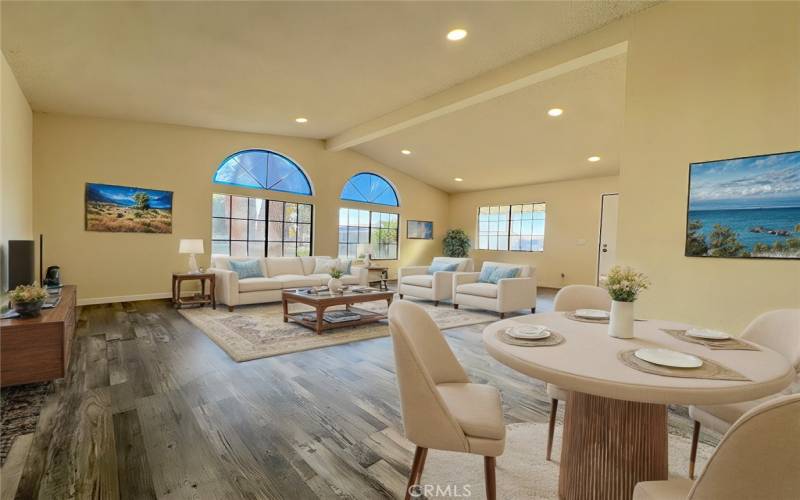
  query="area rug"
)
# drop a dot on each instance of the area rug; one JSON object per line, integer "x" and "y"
{"x": 20, "y": 407}
{"x": 258, "y": 331}
{"x": 523, "y": 472}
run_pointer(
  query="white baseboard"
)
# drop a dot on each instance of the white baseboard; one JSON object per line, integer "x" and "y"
{"x": 129, "y": 298}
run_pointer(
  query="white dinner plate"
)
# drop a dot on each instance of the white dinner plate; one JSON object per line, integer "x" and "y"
{"x": 704, "y": 333}
{"x": 528, "y": 332}
{"x": 667, "y": 357}
{"x": 592, "y": 314}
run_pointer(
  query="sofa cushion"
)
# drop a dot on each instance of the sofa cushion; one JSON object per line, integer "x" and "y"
{"x": 325, "y": 266}
{"x": 424, "y": 280}
{"x": 493, "y": 274}
{"x": 442, "y": 266}
{"x": 259, "y": 284}
{"x": 284, "y": 265}
{"x": 246, "y": 268}
{"x": 296, "y": 280}
{"x": 480, "y": 289}
{"x": 319, "y": 278}
{"x": 464, "y": 264}
{"x": 224, "y": 262}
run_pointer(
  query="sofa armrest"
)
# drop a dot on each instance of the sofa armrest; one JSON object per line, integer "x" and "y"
{"x": 464, "y": 278}
{"x": 516, "y": 293}
{"x": 226, "y": 286}
{"x": 443, "y": 285}
{"x": 360, "y": 272}
{"x": 411, "y": 271}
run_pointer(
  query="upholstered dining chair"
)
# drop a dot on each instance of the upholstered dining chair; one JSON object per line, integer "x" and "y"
{"x": 571, "y": 298}
{"x": 441, "y": 408}
{"x": 778, "y": 330}
{"x": 759, "y": 457}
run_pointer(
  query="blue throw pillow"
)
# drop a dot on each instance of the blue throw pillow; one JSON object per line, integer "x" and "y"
{"x": 442, "y": 266}
{"x": 504, "y": 272}
{"x": 246, "y": 268}
{"x": 345, "y": 266}
{"x": 486, "y": 274}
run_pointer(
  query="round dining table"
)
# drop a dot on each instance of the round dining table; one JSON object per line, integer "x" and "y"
{"x": 615, "y": 423}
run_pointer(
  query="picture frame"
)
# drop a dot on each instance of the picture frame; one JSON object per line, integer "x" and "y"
{"x": 419, "y": 229}
{"x": 126, "y": 209}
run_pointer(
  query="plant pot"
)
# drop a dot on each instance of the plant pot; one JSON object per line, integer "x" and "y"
{"x": 28, "y": 309}
{"x": 335, "y": 285}
{"x": 620, "y": 324}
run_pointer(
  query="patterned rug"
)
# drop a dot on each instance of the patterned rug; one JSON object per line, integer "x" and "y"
{"x": 523, "y": 472}
{"x": 20, "y": 407}
{"x": 258, "y": 331}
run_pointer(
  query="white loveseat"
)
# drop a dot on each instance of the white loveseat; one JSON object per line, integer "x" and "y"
{"x": 416, "y": 282}
{"x": 279, "y": 273}
{"x": 509, "y": 294}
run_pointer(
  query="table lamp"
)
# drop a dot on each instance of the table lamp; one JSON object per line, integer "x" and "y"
{"x": 191, "y": 247}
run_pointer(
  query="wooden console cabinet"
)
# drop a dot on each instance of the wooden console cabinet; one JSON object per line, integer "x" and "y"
{"x": 37, "y": 349}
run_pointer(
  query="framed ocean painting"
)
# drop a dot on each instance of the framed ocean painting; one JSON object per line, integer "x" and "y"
{"x": 122, "y": 209}
{"x": 419, "y": 229}
{"x": 745, "y": 207}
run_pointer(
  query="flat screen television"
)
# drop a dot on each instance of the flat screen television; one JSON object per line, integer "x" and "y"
{"x": 745, "y": 207}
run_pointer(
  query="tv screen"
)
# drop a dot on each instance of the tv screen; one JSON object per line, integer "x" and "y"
{"x": 745, "y": 207}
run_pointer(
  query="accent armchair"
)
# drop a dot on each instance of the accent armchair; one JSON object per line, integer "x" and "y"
{"x": 506, "y": 295}
{"x": 441, "y": 408}
{"x": 418, "y": 281}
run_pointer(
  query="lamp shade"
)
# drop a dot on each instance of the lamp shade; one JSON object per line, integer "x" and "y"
{"x": 191, "y": 246}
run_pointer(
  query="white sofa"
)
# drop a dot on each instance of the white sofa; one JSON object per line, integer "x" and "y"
{"x": 279, "y": 273}
{"x": 509, "y": 294}
{"x": 416, "y": 282}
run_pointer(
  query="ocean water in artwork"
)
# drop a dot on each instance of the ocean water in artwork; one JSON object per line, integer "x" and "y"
{"x": 746, "y": 207}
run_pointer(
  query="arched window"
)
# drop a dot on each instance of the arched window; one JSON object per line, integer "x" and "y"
{"x": 370, "y": 188}
{"x": 261, "y": 169}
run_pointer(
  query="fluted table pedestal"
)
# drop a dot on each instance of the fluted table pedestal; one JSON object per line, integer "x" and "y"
{"x": 609, "y": 445}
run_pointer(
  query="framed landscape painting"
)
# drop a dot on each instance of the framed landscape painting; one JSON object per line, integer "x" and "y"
{"x": 122, "y": 209}
{"x": 745, "y": 207}
{"x": 419, "y": 230}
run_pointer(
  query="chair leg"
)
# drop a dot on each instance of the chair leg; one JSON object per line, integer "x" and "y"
{"x": 416, "y": 469}
{"x": 491, "y": 487}
{"x": 435, "y": 303}
{"x": 551, "y": 429}
{"x": 693, "y": 453}
{"x": 533, "y": 310}
{"x": 455, "y": 306}
{"x": 502, "y": 315}
{"x": 401, "y": 296}
{"x": 230, "y": 308}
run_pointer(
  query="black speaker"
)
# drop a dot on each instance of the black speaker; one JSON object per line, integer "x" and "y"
{"x": 21, "y": 263}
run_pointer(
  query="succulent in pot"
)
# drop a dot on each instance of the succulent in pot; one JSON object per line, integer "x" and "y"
{"x": 28, "y": 300}
{"x": 335, "y": 283}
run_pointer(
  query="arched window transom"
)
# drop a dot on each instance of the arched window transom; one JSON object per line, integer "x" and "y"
{"x": 370, "y": 188}
{"x": 261, "y": 169}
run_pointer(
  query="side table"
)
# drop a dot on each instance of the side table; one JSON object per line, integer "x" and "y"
{"x": 380, "y": 275}
{"x": 203, "y": 298}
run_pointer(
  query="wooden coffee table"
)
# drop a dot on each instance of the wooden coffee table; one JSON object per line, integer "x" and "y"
{"x": 320, "y": 302}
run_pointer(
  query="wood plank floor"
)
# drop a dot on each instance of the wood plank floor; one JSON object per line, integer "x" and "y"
{"x": 152, "y": 408}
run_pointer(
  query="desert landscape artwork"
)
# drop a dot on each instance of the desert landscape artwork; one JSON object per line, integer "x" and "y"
{"x": 123, "y": 209}
{"x": 745, "y": 207}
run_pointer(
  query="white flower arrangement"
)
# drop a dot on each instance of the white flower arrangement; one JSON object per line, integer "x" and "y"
{"x": 624, "y": 284}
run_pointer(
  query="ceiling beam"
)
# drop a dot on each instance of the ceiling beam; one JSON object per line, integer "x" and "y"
{"x": 540, "y": 66}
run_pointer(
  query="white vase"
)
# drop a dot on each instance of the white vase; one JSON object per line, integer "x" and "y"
{"x": 621, "y": 323}
{"x": 335, "y": 285}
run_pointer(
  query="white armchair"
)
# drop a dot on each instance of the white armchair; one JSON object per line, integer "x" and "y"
{"x": 509, "y": 294}
{"x": 416, "y": 282}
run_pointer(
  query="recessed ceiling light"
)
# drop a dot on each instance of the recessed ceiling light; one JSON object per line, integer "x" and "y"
{"x": 593, "y": 159}
{"x": 458, "y": 179}
{"x": 301, "y": 120}
{"x": 555, "y": 111}
{"x": 405, "y": 151}
{"x": 457, "y": 34}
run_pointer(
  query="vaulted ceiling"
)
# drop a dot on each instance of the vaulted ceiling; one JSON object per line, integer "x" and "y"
{"x": 256, "y": 66}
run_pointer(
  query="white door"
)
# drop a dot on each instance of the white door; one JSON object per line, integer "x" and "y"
{"x": 607, "y": 250}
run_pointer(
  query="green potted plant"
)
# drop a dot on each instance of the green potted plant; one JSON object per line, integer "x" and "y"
{"x": 624, "y": 285}
{"x": 335, "y": 283}
{"x": 28, "y": 300}
{"x": 456, "y": 243}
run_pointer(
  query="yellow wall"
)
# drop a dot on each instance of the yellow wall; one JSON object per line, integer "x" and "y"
{"x": 16, "y": 174}
{"x": 705, "y": 81}
{"x": 70, "y": 151}
{"x": 571, "y": 229}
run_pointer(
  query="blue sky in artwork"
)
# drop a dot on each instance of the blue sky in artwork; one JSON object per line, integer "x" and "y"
{"x": 123, "y": 195}
{"x": 768, "y": 181}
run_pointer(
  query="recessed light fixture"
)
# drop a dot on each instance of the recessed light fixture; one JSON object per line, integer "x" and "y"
{"x": 555, "y": 112}
{"x": 457, "y": 34}
{"x": 458, "y": 179}
{"x": 593, "y": 159}
{"x": 406, "y": 151}
{"x": 301, "y": 120}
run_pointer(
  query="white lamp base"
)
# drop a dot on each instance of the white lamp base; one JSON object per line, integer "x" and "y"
{"x": 193, "y": 264}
